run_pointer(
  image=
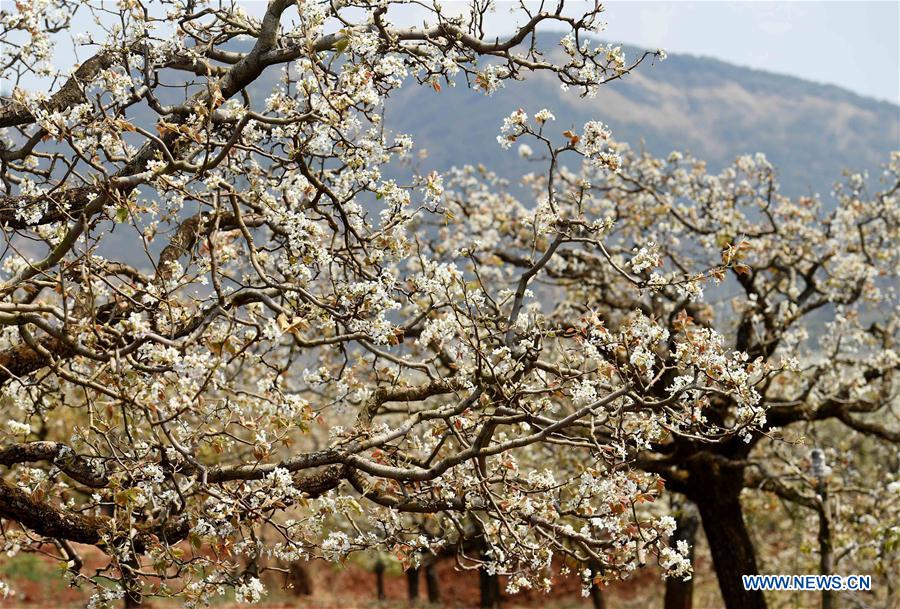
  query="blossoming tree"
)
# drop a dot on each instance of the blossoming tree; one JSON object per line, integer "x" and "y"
{"x": 229, "y": 336}
{"x": 804, "y": 299}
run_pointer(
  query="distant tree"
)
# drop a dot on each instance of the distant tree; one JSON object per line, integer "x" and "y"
{"x": 313, "y": 349}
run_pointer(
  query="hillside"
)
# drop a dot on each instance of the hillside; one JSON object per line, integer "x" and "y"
{"x": 711, "y": 108}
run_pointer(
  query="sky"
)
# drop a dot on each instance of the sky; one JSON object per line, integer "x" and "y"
{"x": 855, "y": 45}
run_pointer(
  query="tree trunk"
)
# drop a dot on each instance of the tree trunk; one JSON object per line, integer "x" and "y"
{"x": 729, "y": 542}
{"x": 597, "y": 598}
{"x": 431, "y": 582}
{"x": 298, "y": 579}
{"x": 379, "y": 579}
{"x": 826, "y": 548}
{"x": 490, "y": 590}
{"x": 489, "y": 584}
{"x": 680, "y": 593}
{"x": 412, "y": 583}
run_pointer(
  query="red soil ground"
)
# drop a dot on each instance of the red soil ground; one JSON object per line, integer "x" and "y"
{"x": 38, "y": 584}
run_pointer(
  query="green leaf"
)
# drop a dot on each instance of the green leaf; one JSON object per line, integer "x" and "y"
{"x": 121, "y": 214}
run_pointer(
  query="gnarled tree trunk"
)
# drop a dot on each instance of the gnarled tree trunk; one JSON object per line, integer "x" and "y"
{"x": 715, "y": 488}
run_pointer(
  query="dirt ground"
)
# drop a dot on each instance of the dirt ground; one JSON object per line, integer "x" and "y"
{"x": 38, "y": 584}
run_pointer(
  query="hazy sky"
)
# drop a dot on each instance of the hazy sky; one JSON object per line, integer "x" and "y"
{"x": 852, "y": 44}
{"x": 855, "y": 45}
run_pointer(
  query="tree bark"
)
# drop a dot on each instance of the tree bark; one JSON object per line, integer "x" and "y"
{"x": 826, "y": 547}
{"x": 431, "y": 582}
{"x": 412, "y": 583}
{"x": 598, "y": 600}
{"x": 680, "y": 593}
{"x": 379, "y": 579}
{"x": 718, "y": 500}
{"x": 298, "y": 579}
{"x": 490, "y": 590}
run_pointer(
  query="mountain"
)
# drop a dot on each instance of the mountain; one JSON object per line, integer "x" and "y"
{"x": 715, "y": 110}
